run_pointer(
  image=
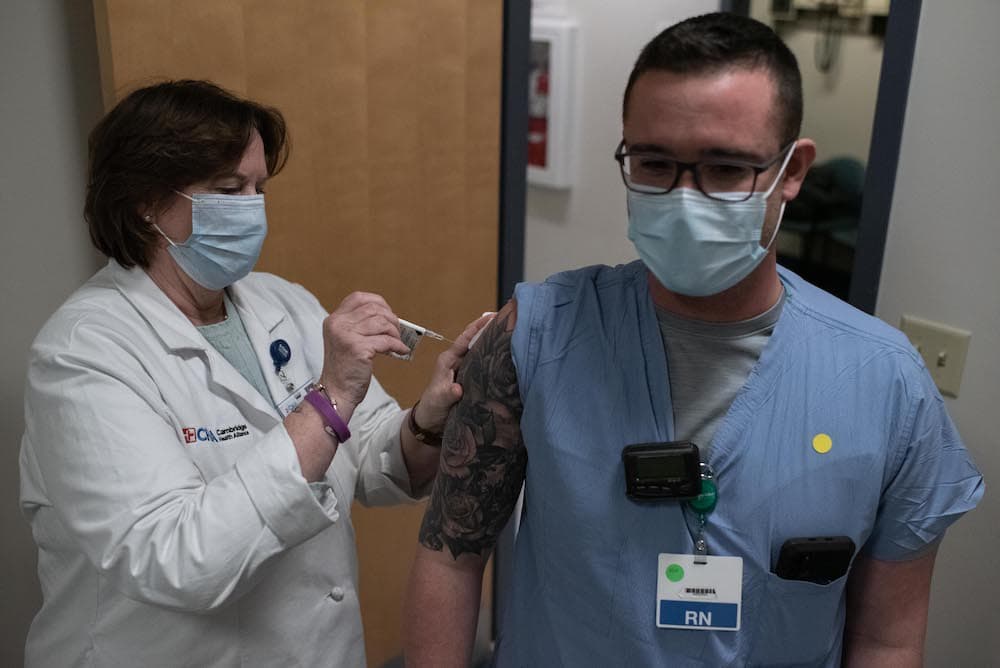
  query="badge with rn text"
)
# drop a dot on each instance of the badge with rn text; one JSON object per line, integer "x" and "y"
{"x": 699, "y": 597}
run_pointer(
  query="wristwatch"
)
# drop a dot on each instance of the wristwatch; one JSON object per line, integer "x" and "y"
{"x": 423, "y": 435}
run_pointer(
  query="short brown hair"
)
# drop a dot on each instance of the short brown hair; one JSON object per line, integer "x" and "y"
{"x": 163, "y": 138}
{"x": 716, "y": 42}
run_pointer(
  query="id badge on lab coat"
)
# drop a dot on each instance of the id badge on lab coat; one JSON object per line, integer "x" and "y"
{"x": 699, "y": 597}
{"x": 294, "y": 399}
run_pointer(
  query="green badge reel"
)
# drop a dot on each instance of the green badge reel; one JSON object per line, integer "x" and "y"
{"x": 704, "y": 503}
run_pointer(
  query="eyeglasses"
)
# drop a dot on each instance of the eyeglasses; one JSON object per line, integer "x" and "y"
{"x": 726, "y": 180}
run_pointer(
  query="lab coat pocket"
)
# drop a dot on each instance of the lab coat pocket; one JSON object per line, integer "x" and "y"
{"x": 798, "y": 622}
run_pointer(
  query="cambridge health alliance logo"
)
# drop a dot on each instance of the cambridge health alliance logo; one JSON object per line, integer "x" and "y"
{"x": 217, "y": 435}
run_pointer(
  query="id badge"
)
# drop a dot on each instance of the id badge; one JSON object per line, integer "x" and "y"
{"x": 699, "y": 597}
{"x": 294, "y": 399}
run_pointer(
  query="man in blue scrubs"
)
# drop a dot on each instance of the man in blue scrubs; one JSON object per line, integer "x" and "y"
{"x": 817, "y": 424}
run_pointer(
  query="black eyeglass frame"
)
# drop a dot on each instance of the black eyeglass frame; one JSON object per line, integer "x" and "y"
{"x": 758, "y": 169}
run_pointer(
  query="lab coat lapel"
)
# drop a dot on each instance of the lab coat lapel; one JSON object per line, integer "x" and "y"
{"x": 172, "y": 327}
{"x": 180, "y": 337}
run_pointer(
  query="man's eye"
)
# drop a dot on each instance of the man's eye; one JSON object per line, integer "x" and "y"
{"x": 725, "y": 171}
{"x": 657, "y": 165}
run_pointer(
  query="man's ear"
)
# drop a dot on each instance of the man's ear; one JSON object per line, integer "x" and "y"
{"x": 802, "y": 159}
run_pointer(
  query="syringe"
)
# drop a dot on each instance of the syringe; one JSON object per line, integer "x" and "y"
{"x": 423, "y": 331}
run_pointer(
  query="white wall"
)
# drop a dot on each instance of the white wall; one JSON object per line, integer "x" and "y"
{"x": 943, "y": 262}
{"x": 839, "y": 104}
{"x": 49, "y": 97}
{"x": 587, "y": 223}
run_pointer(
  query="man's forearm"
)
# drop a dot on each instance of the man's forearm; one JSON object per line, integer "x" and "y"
{"x": 421, "y": 459}
{"x": 887, "y": 604}
{"x": 862, "y": 652}
{"x": 441, "y": 610}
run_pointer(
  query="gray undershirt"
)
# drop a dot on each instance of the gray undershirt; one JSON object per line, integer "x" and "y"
{"x": 708, "y": 363}
{"x": 230, "y": 338}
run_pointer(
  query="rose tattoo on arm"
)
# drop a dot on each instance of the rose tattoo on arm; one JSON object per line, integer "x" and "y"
{"x": 483, "y": 459}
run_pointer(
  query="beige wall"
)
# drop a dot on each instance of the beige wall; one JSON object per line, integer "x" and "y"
{"x": 840, "y": 103}
{"x": 942, "y": 262}
{"x": 49, "y": 96}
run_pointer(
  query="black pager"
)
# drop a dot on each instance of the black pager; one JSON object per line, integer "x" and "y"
{"x": 662, "y": 470}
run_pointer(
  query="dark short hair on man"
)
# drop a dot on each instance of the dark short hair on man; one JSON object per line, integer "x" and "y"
{"x": 163, "y": 138}
{"x": 717, "y": 42}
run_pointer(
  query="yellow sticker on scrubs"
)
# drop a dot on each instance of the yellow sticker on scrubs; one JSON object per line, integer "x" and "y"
{"x": 822, "y": 443}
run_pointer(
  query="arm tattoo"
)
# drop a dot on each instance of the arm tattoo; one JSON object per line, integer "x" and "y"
{"x": 483, "y": 459}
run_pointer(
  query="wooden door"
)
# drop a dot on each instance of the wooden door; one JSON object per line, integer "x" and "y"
{"x": 392, "y": 186}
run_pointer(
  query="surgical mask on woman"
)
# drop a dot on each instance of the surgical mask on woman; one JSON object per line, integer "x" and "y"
{"x": 698, "y": 246}
{"x": 227, "y": 233}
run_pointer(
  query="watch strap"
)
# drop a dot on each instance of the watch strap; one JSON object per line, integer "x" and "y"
{"x": 425, "y": 436}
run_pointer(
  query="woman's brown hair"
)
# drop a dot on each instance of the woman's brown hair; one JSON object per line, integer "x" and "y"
{"x": 163, "y": 138}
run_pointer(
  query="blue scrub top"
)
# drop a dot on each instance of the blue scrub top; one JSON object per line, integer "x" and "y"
{"x": 838, "y": 430}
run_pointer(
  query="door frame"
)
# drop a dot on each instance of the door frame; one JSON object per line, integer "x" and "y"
{"x": 883, "y": 154}
{"x": 513, "y": 145}
{"x": 513, "y": 202}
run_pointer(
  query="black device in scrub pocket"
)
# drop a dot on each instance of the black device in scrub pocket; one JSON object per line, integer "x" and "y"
{"x": 820, "y": 559}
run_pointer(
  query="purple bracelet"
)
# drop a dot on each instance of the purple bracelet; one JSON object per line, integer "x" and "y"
{"x": 321, "y": 401}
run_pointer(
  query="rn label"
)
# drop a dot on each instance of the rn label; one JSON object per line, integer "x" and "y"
{"x": 722, "y": 616}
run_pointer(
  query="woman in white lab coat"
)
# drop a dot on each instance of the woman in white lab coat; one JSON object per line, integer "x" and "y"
{"x": 196, "y": 433}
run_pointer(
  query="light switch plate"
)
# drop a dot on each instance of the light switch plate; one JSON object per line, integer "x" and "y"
{"x": 943, "y": 348}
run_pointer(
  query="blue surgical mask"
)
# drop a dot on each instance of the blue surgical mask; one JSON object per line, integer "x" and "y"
{"x": 698, "y": 246}
{"x": 227, "y": 233}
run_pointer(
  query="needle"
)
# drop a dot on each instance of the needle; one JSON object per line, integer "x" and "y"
{"x": 423, "y": 331}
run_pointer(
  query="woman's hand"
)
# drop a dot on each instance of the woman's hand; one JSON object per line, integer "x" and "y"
{"x": 360, "y": 328}
{"x": 442, "y": 391}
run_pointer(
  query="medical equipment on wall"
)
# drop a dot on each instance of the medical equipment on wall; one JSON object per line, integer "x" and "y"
{"x": 831, "y": 19}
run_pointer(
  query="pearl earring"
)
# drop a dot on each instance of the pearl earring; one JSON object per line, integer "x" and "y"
{"x": 147, "y": 218}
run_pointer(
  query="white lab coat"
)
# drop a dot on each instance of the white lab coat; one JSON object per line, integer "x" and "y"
{"x": 173, "y": 524}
